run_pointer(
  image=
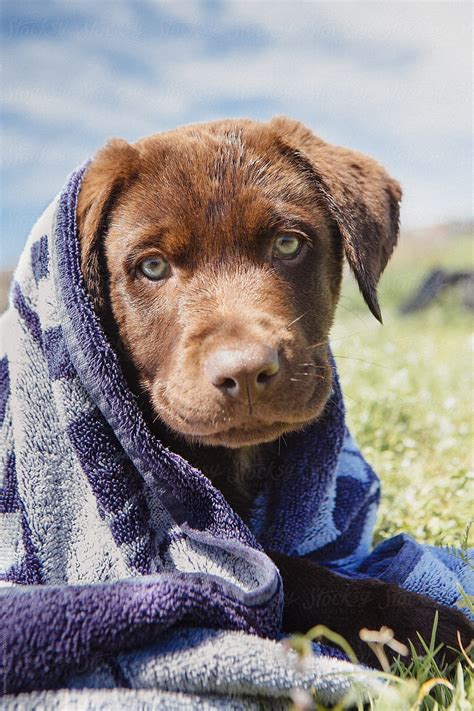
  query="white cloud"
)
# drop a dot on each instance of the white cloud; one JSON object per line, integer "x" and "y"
{"x": 392, "y": 79}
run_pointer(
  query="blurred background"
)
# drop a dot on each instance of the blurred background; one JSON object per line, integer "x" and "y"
{"x": 391, "y": 79}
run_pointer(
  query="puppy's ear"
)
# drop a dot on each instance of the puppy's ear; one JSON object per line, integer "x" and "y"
{"x": 360, "y": 196}
{"x": 111, "y": 171}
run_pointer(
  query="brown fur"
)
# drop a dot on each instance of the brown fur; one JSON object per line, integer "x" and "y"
{"x": 210, "y": 198}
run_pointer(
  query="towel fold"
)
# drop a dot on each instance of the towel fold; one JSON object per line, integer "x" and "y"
{"x": 122, "y": 568}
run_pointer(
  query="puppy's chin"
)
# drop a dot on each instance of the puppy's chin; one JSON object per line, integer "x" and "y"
{"x": 251, "y": 430}
{"x": 237, "y": 437}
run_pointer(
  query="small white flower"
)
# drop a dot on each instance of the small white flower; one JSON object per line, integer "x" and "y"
{"x": 301, "y": 699}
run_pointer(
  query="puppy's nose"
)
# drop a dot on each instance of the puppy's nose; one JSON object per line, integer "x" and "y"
{"x": 242, "y": 371}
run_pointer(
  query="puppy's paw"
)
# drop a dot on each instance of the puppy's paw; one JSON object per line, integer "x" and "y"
{"x": 315, "y": 595}
{"x": 452, "y": 629}
{"x": 412, "y": 616}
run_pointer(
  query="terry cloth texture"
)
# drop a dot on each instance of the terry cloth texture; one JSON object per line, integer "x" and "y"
{"x": 122, "y": 568}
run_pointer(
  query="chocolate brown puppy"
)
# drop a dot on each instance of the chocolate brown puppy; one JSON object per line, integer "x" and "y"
{"x": 214, "y": 255}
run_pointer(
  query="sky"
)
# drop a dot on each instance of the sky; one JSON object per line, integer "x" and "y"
{"x": 390, "y": 79}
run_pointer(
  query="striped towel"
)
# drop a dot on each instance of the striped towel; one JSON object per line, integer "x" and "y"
{"x": 122, "y": 568}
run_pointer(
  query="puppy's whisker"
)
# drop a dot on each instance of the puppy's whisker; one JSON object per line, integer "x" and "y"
{"x": 295, "y": 320}
{"x": 312, "y": 365}
{"x": 315, "y": 345}
{"x": 362, "y": 360}
{"x": 346, "y": 394}
{"x": 351, "y": 311}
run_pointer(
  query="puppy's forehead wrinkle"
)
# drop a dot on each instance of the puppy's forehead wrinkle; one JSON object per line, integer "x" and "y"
{"x": 225, "y": 160}
{"x": 234, "y": 167}
{"x": 209, "y": 192}
{"x": 229, "y": 156}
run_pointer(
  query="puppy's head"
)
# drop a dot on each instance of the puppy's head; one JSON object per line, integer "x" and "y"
{"x": 219, "y": 248}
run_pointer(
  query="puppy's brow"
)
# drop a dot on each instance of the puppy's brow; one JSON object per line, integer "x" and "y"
{"x": 148, "y": 243}
{"x": 286, "y": 220}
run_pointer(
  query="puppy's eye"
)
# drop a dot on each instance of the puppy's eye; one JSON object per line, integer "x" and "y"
{"x": 154, "y": 268}
{"x": 287, "y": 246}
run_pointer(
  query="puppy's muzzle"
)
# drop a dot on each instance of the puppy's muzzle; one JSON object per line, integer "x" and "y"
{"x": 244, "y": 371}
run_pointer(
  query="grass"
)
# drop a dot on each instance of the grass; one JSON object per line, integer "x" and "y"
{"x": 409, "y": 393}
{"x": 422, "y": 684}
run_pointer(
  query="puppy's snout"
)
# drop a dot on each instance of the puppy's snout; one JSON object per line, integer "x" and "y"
{"x": 243, "y": 371}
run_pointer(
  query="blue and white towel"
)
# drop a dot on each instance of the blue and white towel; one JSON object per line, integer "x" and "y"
{"x": 122, "y": 568}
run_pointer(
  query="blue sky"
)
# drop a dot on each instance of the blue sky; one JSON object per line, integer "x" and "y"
{"x": 392, "y": 79}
